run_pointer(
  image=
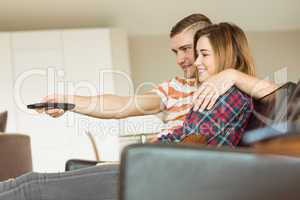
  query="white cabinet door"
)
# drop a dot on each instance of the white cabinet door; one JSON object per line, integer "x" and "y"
{"x": 6, "y": 80}
{"x": 87, "y": 53}
{"x": 38, "y": 56}
{"x": 88, "y": 64}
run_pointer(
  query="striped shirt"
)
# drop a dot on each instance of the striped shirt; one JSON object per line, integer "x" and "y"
{"x": 176, "y": 96}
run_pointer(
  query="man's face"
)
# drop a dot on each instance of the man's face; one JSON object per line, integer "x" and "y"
{"x": 182, "y": 46}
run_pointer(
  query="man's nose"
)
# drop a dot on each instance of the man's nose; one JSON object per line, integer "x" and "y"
{"x": 180, "y": 58}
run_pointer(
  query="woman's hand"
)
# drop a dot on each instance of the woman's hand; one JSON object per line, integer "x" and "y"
{"x": 211, "y": 89}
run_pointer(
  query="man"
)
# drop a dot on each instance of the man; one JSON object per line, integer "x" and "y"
{"x": 174, "y": 97}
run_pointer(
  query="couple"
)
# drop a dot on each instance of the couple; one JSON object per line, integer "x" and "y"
{"x": 217, "y": 110}
{"x": 215, "y": 57}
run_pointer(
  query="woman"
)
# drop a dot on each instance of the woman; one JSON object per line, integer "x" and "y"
{"x": 217, "y": 48}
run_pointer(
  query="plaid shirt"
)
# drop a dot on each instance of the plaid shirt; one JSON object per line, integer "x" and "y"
{"x": 224, "y": 124}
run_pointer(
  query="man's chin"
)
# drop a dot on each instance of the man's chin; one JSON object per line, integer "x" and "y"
{"x": 188, "y": 74}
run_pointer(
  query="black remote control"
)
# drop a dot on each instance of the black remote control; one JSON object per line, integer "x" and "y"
{"x": 48, "y": 106}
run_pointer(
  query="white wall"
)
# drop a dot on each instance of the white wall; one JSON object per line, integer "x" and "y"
{"x": 274, "y": 51}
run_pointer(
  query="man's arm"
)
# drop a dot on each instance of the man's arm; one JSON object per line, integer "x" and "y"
{"x": 210, "y": 90}
{"x": 116, "y": 107}
{"x": 108, "y": 106}
{"x": 253, "y": 86}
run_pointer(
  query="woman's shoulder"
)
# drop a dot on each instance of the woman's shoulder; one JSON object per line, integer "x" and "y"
{"x": 235, "y": 96}
{"x": 236, "y": 91}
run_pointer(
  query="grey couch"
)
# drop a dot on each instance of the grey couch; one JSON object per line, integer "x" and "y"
{"x": 177, "y": 172}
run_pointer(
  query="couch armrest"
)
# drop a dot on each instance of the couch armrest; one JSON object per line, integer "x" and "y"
{"x": 75, "y": 164}
{"x": 280, "y": 130}
{"x": 282, "y": 139}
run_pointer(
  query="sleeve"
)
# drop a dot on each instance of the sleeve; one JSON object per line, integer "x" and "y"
{"x": 162, "y": 91}
{"x": 225, "y": 123}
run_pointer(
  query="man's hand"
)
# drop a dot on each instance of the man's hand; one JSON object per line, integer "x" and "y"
{"x": 54, "y": 98}
{"x": 211, "y": 89}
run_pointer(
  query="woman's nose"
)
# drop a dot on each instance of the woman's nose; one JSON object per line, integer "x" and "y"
{"x": 197, "y": 61}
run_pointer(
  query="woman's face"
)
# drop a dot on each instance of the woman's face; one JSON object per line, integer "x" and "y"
{"x": 205, "y": 62}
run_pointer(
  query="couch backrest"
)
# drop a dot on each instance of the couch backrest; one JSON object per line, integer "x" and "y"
{"x": 178, "y": 172}
{"x": 294, "y": 104}
{"x": 273, "y": 108}
{"x": 3, "y": 120}
{"x": 277, "y": 115}
{"x": 15, "y": 155}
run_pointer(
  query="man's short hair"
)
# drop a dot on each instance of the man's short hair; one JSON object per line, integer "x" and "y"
{"x": 193, "y": 21}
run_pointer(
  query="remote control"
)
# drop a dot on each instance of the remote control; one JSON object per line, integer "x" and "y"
{"x": 48, "y": 106}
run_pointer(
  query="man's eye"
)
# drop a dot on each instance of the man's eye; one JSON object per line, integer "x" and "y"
{"x": 186, "y": 48}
